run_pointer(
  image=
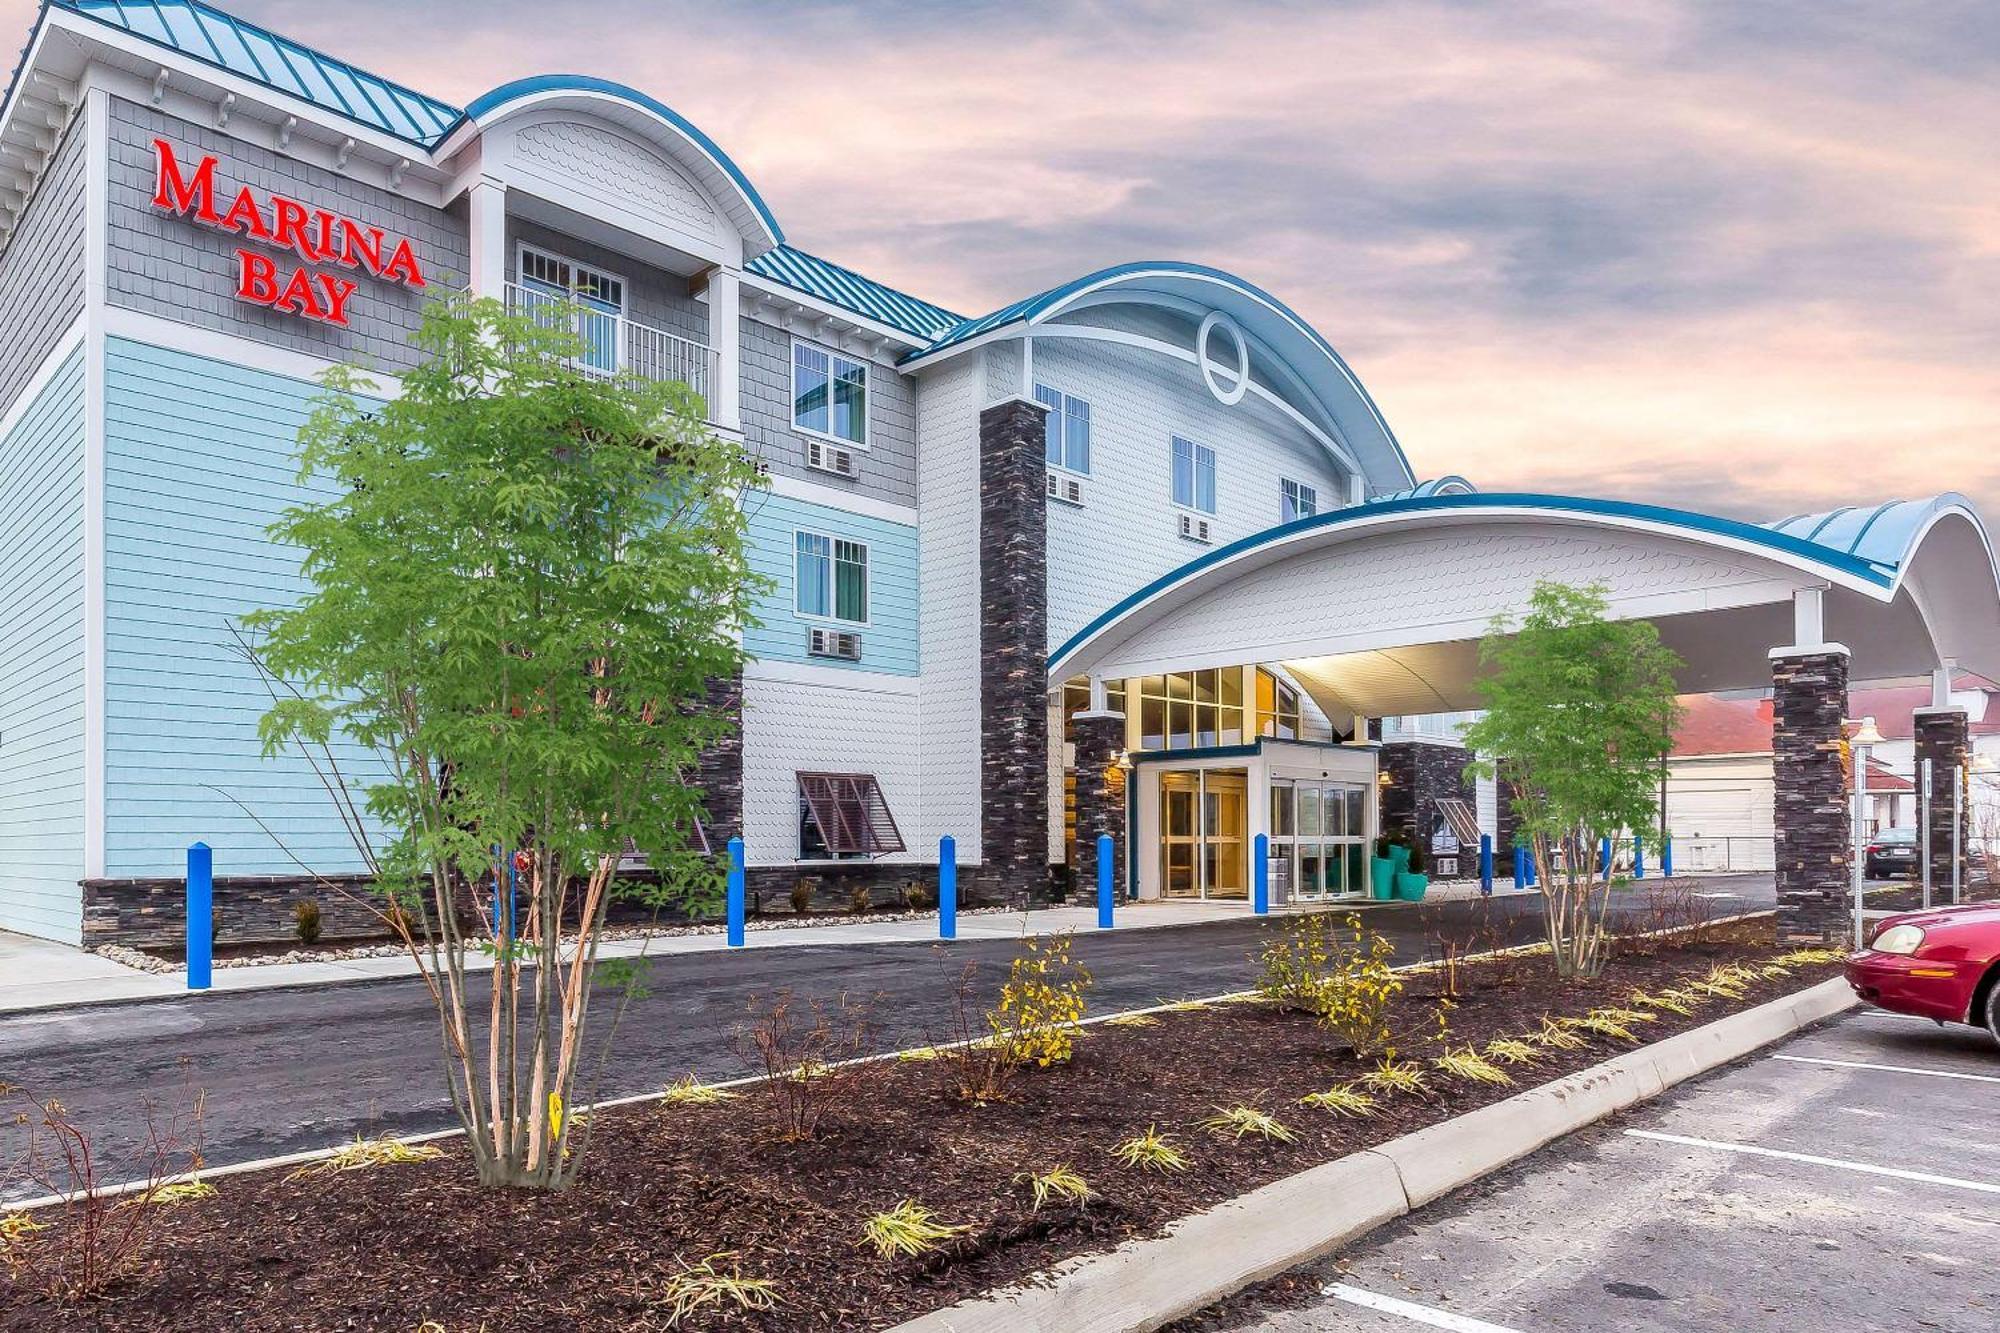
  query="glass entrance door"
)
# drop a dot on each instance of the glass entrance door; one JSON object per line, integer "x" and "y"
{"x": 1318, "y": 834}
{"x": 1204, "y": 818}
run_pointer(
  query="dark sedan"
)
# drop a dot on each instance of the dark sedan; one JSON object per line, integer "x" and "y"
{"x": 1892, "y": 852}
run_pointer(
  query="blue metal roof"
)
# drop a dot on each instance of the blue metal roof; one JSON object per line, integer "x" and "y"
{"x": 207, "y": 34}
{"x": 850, "y": 291}
{"x": 1870, "y": 544}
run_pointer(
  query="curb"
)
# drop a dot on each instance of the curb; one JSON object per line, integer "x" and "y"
{"x": 1145, "y": 1284}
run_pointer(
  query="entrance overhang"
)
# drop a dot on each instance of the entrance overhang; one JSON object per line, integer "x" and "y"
{"x": 1378, "y": 609}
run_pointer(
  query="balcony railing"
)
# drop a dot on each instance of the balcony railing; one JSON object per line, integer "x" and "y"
{"x": 614, "y": 343}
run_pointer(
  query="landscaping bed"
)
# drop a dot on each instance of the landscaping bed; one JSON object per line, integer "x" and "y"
{"x": 669, "y": 1185}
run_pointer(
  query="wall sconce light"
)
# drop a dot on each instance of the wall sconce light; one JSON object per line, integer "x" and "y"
{"x": 1382, "y": 779}
{"x": 1124, "y": 760}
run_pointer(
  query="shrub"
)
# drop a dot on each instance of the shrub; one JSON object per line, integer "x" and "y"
{"x": 808, "y": 1058}
{"x": 802, "y": 896}
{"x": 1417, "y": 855}
{"x": 365, "y": 1153}
{"x": 1354, "y": 996}
{"x": 1470, "y": 1066}
{"x": 975, "y": 1064}
{"x": 1294, "y": 963}
{"x": 907, "y": 1229}
{"x": 305, "y": 921}
{"x": 916, "y": 897}
{"x": 687, "y": 1090}
{"x": 1392, "y": 1075}
{"x": 1041, "y": 1002}
{"x": 860, "y": 900}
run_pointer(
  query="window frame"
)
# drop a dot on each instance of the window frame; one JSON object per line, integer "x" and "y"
{"x": 863, "y": 785}
{"x": 832, "y": 618}
{"x": 867, "y": 395}
{"x": 1214, "y": 476}
{"x": 623, "y": 315}
{"x": 1291, "y": 494}
{"x": 1059, "y": 412}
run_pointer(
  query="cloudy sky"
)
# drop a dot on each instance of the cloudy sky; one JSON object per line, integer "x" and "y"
{"x": 1743, "y": 257}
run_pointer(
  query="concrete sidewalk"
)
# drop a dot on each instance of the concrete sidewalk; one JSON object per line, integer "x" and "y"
{"x": 38, "y": 974}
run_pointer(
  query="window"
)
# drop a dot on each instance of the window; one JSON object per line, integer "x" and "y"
{"x": 1191, "y": 710}
{"x": 830, "y": 578}
{"x": 843, "y": 815}
{"x": 1194, "y": 475}
{"x": 829, "y": 394}
{"x": 1067, "y": 429}
{"x": 1277, "y": 707}
{"x": 1296, "y": 500}
{"x": 549, "y": 282}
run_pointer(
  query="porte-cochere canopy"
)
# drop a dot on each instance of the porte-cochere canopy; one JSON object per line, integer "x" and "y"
{"x": 1378, "y": 609}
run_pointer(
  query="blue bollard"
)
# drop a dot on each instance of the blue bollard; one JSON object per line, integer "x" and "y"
{"x": 1486, "y": 863}
{"x": 947, "y": 887}
{"x": 200, "y": 915}
{"x": 1638, "y": 857}
{"x": 1104, "y": 889}
{"x": 736, "y": 893}
{"x": 1533, "y": 879}
{"x": 1604, "y": 858}
{"x": 1520, "y": 868}
{"x": 1260, "y": 875}
{"x": 1667, "y": 856}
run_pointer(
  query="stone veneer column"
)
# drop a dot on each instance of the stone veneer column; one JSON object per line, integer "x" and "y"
{"x": 1013, "y": 652}
{"x": 1100, "y": 799}
{"x": 719, "y": 773}
{"x": 1813, "y": 803}
{"x": 1421, "y": 772}
{"x": 1944, "y": 738}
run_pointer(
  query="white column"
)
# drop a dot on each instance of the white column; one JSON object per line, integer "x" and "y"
{"x": 488, "y": 200}
{"x": 725, "y": 295}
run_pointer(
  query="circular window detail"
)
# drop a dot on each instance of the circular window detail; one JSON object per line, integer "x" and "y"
{"x": 1227, "y": 382}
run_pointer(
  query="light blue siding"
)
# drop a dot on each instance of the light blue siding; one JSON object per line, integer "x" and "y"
{"x": 41, "y": 662}
{"x": 200, "y": 457}
{"x": 889, "y": 639}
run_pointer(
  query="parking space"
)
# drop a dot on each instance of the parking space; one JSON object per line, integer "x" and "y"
{"x": 1846, "y": 1180}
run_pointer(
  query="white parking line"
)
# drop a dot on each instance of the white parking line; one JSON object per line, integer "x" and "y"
{"x": 1410, "y": 1310}
{"x": 1865, "y": 1168}
{"x": 1887, "y": 1069}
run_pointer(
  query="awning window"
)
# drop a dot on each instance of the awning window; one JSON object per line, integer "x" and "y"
{"x": 847, "y": 816}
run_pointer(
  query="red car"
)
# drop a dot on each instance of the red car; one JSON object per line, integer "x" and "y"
{"x": 1942, "y": 964}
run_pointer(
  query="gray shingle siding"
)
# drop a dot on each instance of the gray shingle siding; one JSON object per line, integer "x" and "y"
{"x": 888, "y": 466}
{"x": 181, "y": 270}
{"x": 41, "y": 273}
{"x": 651, "y": 296}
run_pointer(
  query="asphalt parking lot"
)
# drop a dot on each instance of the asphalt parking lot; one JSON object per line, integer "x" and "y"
{"x": 1848, "y": 1179}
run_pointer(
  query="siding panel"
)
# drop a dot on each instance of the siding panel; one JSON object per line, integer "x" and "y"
{"x": 41, "y": 273}
{"x": 889, "y": 640}
{"x": 41, "y": 662}
{"x": 200, "y": 457}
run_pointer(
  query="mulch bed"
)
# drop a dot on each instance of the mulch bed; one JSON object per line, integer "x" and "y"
{"x": 667, "y": 1186}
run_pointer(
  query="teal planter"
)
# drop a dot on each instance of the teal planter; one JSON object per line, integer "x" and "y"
{"x": 1400, "y": 856}
{"x": 1410, "y": 888}
{"x": 1382, "y": 877}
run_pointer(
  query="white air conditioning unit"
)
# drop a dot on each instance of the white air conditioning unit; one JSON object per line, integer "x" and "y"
{"x": 1066, "y": 489}
{"x": 824, "y": 457}
{"x": 1195, "y": 529}
{"x": 838, "y": 643}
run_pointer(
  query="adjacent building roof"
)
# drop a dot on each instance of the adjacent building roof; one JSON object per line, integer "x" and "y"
{"x": 1453, "y": 485}
{"x": 203, "y": 33}
{"x": 849, "y": 290}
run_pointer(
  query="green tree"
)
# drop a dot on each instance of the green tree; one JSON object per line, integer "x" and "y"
{"x": 1579, "y": 712}
{"x": 523, "y": 581}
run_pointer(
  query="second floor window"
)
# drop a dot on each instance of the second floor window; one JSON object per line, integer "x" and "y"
{"x": 829, "y": 394}
{"x": 1194, "y": 475}
{"x": 831, "y": 578}
{"x": 1296, "y": 500}
{"x": 548, "y": 282}
{"x": 1067, "y": 430}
